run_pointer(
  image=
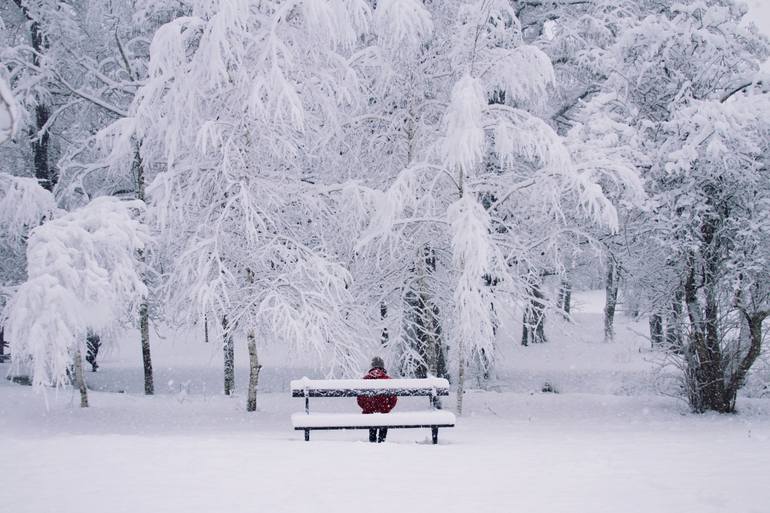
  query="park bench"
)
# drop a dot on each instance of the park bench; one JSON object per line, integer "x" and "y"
{"x": 428, "y": 387}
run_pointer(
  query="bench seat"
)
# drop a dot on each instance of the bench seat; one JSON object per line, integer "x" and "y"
{"x": 431, "y": 388}
{"x": 405, "y": 419}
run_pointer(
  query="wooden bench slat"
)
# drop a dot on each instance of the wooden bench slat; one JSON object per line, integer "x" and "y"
{"x": 428, "y": 418}
{"x": 401, "y": 392}
{"x": 329, "y": 428}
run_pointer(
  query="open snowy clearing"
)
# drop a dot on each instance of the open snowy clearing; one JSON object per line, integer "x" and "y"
{"x": 605, "y": 443}
{"x": 511, "y": 452}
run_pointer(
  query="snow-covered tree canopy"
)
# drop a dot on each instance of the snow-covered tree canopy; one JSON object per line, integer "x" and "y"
{"x": 346, "y": 176}
{"x": 82, "y": 275}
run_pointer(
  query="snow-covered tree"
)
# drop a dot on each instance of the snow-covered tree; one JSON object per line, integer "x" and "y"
{"x": 688, "y": 72}
{"x": 78, "y": 78}
{"x": 82, "y": 275}
{"x": 240, "y": 97}
{"x": 481, "y": 178}
{"x": 24, "y": 204}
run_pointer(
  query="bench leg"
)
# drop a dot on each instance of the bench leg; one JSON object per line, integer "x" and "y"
{"x": 434, "y": 435}
{"x": 307, "y": 435}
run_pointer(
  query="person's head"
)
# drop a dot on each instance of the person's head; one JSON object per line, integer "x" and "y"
{"x": 378, "y": 363}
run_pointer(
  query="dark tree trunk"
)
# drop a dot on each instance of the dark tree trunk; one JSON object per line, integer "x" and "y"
{"x": 738, "y": 377}
{"x": 384, "y": 335}
{"x": 40, "y": 140}
{"x": 704, "y": 374}
{"x": 3, "y": 343}
{"x": 611, "y": 299}
{"x": 93, "y": 343}
{"x": 229, "y": 354}
{"x": 565, "y": 297}
{"x": 656, "y": 329}
{"x": 39, "y": 135}
{"x": 674, "y": 323}
{"x": 533, "y": 330}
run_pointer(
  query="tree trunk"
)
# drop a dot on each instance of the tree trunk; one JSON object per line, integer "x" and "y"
{"x": 460, "y": 375}
{"x": 384, "y": 335}
{"x": 229, "y": 354}
{"x": 93, "y": 343}
{"x": 461, "y": 341}
{"x": 738, "y": 377}
{"x": 80, "y": 379}
{"x": 40, "y": 139}
{"x": 137, "y": 167}
{"x": 533, "y": 324}
{"x": 565, "y": 297}
{"x": 567, "y": 307}
{"x": 144, "y": 331}
{"x": 704, "y": 374}
{"x": 611, "y": 299}
{"x": 254, "y": 368}
{"x": 39, "y": 136}
{"x": 422, "y": 325}
{"x": 525, "y": 327}
{"x": 656, "y": 329}
{"x": 674, "y": 323}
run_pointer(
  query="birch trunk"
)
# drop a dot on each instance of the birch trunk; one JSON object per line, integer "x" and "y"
{"x": 229, "y": 355}
{"x": 461, "y": 341}
{"x": 254, "y": 368}
{"x": 144, "y": 309}
{"x": 144, "y": 331}
{"x": 80, "y": 379}
{"x": 611, "y": 300}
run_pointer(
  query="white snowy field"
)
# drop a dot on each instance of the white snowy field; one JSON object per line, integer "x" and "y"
{"x": 605, "y": 443}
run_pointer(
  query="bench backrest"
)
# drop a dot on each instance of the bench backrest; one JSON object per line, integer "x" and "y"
{"x": 368, "y": 387}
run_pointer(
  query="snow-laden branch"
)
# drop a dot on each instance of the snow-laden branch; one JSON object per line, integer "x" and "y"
{"x": 24, "y": 205}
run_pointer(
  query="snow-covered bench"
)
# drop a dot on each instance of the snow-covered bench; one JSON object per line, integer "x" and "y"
{"x": 428, "y": 387}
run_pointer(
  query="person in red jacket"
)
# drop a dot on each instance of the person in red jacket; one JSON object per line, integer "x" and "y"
{"x": 377, "y": 403}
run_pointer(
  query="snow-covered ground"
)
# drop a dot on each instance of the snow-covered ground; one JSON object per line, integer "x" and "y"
{"x": 605, "y": 443}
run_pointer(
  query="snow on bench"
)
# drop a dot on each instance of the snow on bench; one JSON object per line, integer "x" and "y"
{"x": 430, "y": 387}
{"x": 368, "y": 387}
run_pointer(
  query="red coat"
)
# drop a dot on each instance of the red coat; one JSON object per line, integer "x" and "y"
{"x": 377, "y": 403}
